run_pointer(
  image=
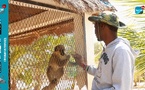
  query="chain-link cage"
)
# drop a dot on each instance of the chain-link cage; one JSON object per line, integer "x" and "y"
{"x": 34, "y": 32}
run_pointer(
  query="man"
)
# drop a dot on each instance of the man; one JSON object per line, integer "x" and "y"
{"x": 116, "y": 64}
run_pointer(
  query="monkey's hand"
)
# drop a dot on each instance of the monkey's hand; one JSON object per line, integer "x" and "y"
{"x": 78, "y": 59}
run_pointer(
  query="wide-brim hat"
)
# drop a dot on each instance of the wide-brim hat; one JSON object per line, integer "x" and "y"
{"x": 107, "y": 17}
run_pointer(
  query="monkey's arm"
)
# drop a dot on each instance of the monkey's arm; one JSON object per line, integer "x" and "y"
{"x": 63, "y": 63}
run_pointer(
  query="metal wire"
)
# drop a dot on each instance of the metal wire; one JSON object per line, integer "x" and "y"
{"x": 33, "y": 36}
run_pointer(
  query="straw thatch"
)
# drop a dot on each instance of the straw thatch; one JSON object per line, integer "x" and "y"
{"x": 82, "y": 6}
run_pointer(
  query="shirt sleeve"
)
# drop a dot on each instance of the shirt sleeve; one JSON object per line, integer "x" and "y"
{"x": 91, "y": 69}
{"x": 123, "y": 65}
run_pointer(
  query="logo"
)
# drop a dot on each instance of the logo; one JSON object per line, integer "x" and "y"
{"x": 105, "y": 57}
{"x": 139, "y": 9}
{"x": 2, "y": 8}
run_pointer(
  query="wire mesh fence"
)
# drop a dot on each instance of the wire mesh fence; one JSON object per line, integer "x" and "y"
{"x": 34, "y": 33}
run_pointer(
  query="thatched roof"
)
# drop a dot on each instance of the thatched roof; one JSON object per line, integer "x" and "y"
{"x": 79, "y": 6}
{"x": 87, "y": 5}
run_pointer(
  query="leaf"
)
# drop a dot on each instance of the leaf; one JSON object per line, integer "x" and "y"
{"x": 27, "y": 77}
{"x": 16, "y": 54}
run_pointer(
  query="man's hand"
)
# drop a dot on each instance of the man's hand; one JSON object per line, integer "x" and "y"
{"x": 78, "y": 59}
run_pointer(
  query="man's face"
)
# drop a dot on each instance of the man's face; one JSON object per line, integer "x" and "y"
{"x": 99, "y": 31}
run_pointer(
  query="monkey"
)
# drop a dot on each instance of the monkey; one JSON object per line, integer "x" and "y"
{"x": 55, "y": 69}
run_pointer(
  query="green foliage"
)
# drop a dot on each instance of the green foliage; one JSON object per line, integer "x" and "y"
{"x": 15, "y": 55}
{"x": 97, "y": 50}
{"x": 71, "y": 72}
{"x": 137, "y": 40}
{"x": 29, "y": 63}
{"x": 26, "y": 77}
